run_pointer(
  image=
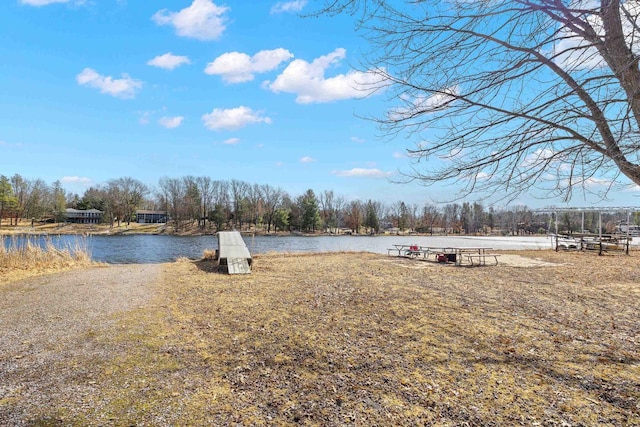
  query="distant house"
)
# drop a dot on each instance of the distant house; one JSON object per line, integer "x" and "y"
{"x": 83, "y": 216}
{"x": 151, "y": 217}
{"x": 392, "y": 230}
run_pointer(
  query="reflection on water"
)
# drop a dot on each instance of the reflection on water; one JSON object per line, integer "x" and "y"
{"x": 145, "y": 249}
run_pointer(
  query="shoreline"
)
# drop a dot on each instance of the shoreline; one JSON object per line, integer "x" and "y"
{"x": 154, "y": 229}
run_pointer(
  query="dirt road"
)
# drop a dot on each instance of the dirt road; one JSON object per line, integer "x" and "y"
{"x": 48, "y": 321}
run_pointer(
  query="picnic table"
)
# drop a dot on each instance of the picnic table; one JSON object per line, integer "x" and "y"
{"x": 474, "y": 255}
{"x": 411, "y": 251}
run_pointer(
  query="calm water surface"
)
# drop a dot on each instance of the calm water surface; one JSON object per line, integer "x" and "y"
{"x": 145, "y": 249}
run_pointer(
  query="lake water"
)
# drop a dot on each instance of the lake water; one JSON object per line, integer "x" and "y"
{"x": 145, "y": 249}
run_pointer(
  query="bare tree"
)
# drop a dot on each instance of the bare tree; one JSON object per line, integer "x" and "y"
{"x": 221, "y": 211}
{"x": 327, "y": 211}
{"x": 354, "y": 213}
{"x": 478, "y": 222}
{"x": 254, "y": 204}
{"x": 339, "y": 207}
{"x": 512, "y": 94}
{"x": 127, "y": 194}
{"x": 272, "y": 198}
{"x": 172, "y": 192}
{"x": 206, "y": 188}
{"x": 20, "y": 191}
{"x": 332, "y": 210}
{"x": 451, "y": 218}
{"x": 238, "y": 192}
{"x": 430, "y": 216}
{"x": 192, "y": 200}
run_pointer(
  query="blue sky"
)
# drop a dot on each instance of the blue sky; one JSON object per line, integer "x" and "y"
{"x": 94, "y": 90}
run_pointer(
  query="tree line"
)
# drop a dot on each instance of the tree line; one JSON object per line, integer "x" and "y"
{"x": 213, "y": 205}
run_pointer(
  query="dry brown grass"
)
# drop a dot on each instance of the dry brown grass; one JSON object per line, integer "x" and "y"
{"x": 24, "y": 227}
{"x": 23, "y": 256}
{"x": 364, "y": 339}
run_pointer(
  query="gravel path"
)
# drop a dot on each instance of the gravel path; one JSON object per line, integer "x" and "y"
{"x": 47, "y": 321}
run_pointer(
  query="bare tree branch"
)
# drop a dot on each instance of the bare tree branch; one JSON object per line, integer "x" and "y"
{"x": 509, "y": 95}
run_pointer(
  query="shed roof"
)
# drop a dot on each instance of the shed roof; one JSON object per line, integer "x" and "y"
{"x": 231, "y": 245}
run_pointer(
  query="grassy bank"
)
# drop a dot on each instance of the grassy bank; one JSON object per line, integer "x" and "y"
{"x": 25, "y": 257}
{"x": 25, "y": 228}
{"x": 364, "y": 339}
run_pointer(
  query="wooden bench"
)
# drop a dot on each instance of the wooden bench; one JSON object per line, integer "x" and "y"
{"x": 482, "y": 258}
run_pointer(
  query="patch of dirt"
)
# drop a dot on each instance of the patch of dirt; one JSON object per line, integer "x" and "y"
{"x": 48, "y": 353}
{"x": 513, "y": 260}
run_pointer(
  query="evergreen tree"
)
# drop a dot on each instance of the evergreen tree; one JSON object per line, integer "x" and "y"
{"x": 371, "y": 219}
{"x": 310, "y": 212}
{"x": 8, "y": 201}
{"x": 281, "y": 219}
{"x": 58, "y": 202}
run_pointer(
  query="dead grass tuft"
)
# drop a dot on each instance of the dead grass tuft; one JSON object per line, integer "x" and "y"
{"x": 22, "y": 256}
{"x": 209, "y": 254}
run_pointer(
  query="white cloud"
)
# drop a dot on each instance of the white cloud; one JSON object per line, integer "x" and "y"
{"x": 307, "y": 159}
{"x": 482, "y": 176}
{"x": 631, "y": 188}
{"x": 425, "y": 104}
{"x": 237, "y": 67}
{"x": 124, "y": 88}
{"x": 575, "y": 53}
{"x": 308, "y": 82}
{"x": 360, "y": 172}
{"x": 171, "y": 122}
{"x": 598, "y": 182}
{"x": 399, "y": 155}
{"x": 231, "y": 141}
{"x": 358, "y": 140}
{"x": 288, "y": 6}
{"x": 168, "y": 61}
{"x": 203, "y": 20}
{"x": 233, "y": 118}
{"x": 76, "y": 180}
{"x": 454, "y": 154}
{"x": 538, "y": 157}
